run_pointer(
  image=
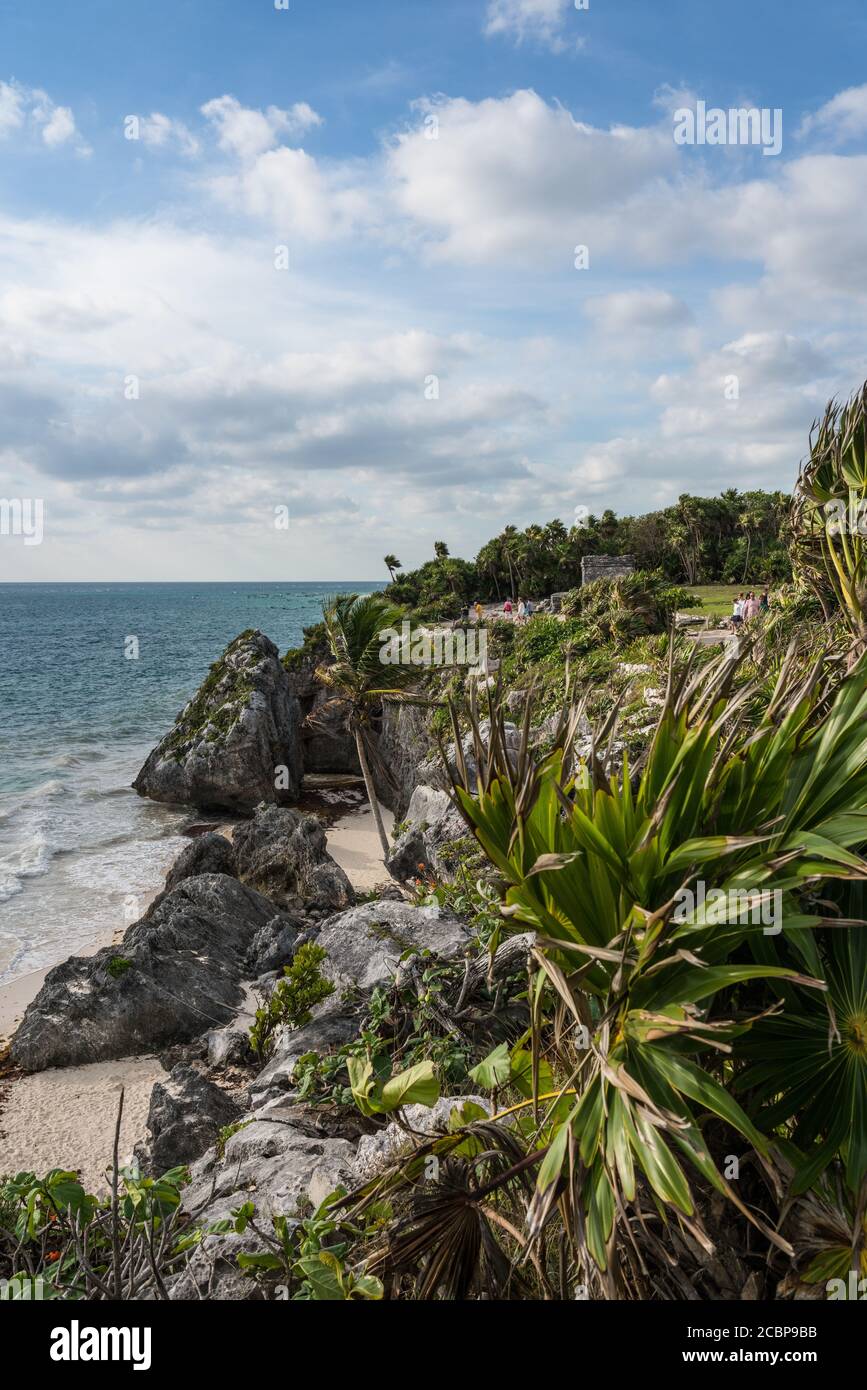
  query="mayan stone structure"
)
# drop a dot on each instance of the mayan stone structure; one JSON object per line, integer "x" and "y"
{"x": 606, "y": 567}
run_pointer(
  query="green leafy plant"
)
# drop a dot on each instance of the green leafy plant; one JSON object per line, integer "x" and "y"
{"x": 594, "y": 863}
{"x": 123, "y": 1246}
{"x": 292, "y": 998}
{"x": 309, "y": 1255}
{"x": 376, "y": 1091}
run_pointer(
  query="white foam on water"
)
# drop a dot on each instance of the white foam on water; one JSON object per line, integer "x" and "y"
{"x": 79, "y": 853}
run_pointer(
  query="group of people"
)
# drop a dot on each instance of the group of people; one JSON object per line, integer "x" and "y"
{"x": 523, "y": 611}
{"x": 747, "y": 606}
{"x": 520, "y": 612}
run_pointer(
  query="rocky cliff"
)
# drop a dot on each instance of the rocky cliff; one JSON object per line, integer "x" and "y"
{"x": 237, "y": 743}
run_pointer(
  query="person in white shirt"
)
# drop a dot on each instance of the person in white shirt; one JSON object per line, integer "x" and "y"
{"x": 738, "y": 611}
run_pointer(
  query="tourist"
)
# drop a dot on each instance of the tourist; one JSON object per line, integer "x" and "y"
{"x": 738, "y": 611}
{"x": 751, "y": 607}
{"x": 478, "y": 610}
{"x": 764, "y": 602}
{"x": 528, "y": 608}
{"x": 522, "y": 609}
{"x": 507, "y": 608}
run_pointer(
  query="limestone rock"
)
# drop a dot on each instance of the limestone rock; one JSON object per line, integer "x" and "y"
{"x": 206, "y": 854}
{"x": 364, "y": 946}
{"x": 185, "y": 1117}
{"x": 433, "y": 820}
{"x": 285, "y": 855}
{"x": 229, "y": 742}
{"x": 375, "y": 1151}
{"x": 176, "y": 973}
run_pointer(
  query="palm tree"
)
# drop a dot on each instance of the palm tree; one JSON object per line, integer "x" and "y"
{"x": 359, "y": 679}
{"x": 392, "y": 564}
{"x": 441, "y": 550}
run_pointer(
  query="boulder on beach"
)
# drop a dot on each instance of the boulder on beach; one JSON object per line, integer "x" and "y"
{"x": 285, "y": 855}
{"x": 206, "y": 854}
{"x": 176, "y": 974}
{"x": 187, "y": 1113}
{"x": 237, "y": 742}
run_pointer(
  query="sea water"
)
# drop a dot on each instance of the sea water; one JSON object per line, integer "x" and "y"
{"x": 78, "y": 715}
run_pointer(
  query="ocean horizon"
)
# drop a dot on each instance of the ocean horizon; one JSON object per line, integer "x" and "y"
{"x": 92, "y": 674}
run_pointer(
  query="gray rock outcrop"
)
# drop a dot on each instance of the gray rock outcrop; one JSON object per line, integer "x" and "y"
{"x": 377, "y": 1150}
{"x": 432, "y": 821}
{"x": 237, "y": 742}
{"x": 404, "y": 743}
{"x": 206, "y": 854}
{"x": 284, "y": 855}
{"x": 176, "y": 973}
{"x": 364, "y": 946}
{"x": 186, "y": 1114}
{"x": 327, "y": 744}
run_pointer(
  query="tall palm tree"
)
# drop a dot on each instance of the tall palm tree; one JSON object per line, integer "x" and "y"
{"x": 392, "y": 564}
{"x": 359, "y": 679}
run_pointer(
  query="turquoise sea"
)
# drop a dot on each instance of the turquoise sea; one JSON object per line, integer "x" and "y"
{"x": 78, "y": 848}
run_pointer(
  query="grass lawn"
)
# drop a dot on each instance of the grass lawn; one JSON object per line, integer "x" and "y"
{"x": 718, "y": 598}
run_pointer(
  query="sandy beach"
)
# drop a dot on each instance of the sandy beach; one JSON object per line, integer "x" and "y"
{"x": 66, "y": 1118}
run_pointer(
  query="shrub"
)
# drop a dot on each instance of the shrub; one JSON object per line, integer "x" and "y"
{"x": 292, "y": 998}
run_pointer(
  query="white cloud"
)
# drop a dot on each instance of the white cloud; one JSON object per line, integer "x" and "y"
{"x": 542, "y": 21}
{"x": 253, "y": 390}
{"x": 843, "y": 118}
{"x": 30, "y": 110}
{"x": 247, "y": 133}
{"x": 646, "y": 323}
{"x": 630, "y": 311}
{"x": 258, "y": 387}
{"x": 517, "y": 178}
{"x": 161, "y": 132}
{"x": 11, "y": 108}
{"x": 59, "y": 127}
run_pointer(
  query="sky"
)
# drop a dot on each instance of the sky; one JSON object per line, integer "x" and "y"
{"x": 288, "y": 284}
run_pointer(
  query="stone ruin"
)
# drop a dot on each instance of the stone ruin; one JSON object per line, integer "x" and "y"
{"x": 606, "y": 567}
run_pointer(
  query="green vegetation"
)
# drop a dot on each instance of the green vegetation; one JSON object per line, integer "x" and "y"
{"x": 313, "y": 649}
{"x": 307, "y": 1259}
{"x": 717, "y": 599}
{"x": 222, "y": 696}
{"x": 829, "y": 516}
{"x": 658, "y": 1036}
{"x": 734, "y": 538}
{"x": 360, "y": 681}
{"x": 81, "y": 1246}
{"x": 226, "y": 1133}
{"x": 118, "y": 965}
{"x": 292, "y": 998}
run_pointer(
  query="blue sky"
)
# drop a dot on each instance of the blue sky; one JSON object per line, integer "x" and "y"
{"x": 283, "y": 293}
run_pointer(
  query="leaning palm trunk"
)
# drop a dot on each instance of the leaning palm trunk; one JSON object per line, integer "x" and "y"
{"x": 371, "y": 790}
